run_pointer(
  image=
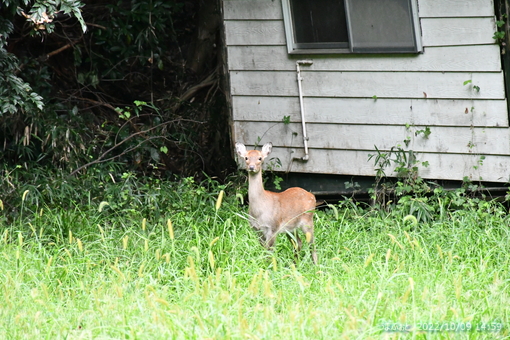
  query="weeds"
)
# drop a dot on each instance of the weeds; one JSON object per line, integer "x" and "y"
{"x": 178, "y": 260}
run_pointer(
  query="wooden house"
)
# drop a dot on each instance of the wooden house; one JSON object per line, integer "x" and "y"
{"x": 330, "y": 84}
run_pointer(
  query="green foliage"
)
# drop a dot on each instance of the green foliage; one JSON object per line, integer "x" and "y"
{"x": 422, "y": 200}
{"x": 426, "y": 132}
{"x": 125, "y": 193}
{"x": 21, "y": 108}
{"x": 160, "y": 261}
{"x": 41, "y": 14}
{"x": 405, "y": 162}
{"x": 409, "y": 189}
{"x": 276, "y": 182}
{"x": 499, "y": 35}
{"x": 473, "y": 86}
{"x": 130, "y": 34}
{"x": 118, "y": 93}
{"x": 16, "y": 96}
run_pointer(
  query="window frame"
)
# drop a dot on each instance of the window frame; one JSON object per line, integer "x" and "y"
{"x": 322, "y": 48}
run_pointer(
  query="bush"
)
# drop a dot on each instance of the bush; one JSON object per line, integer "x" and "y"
{"x": 119, "y": 92}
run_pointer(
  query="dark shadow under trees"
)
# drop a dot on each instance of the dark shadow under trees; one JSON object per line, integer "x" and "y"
{"x": 141, "y": 88}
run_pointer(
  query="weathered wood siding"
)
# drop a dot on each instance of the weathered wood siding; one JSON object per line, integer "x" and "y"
{"x": 345, "y": 122}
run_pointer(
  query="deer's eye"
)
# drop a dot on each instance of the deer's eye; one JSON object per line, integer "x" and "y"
{"x": 260, "y": 158}
{"x": 245, "y": 158}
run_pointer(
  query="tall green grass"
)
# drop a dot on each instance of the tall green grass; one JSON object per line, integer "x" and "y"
{"x": 159, "y": 261}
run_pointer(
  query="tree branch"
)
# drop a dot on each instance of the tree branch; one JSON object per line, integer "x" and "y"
{"x": 210, "y": 80}
{"x": 45, "y": 57}
{"x": 100, "y": 158}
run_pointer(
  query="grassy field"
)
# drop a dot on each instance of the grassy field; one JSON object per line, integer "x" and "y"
{"x": 166, "y": 261}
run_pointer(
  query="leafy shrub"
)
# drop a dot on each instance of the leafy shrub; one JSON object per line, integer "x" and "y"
{"x": 120, "y": 92}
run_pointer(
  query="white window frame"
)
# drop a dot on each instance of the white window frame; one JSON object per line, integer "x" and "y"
{"x": 322, "y": 47}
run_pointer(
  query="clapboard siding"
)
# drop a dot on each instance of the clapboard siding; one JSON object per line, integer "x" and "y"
{"x": 364, "y": 137}
{"x": 255, "y": 33}
{"x": 356, "y": 163}
{"x": 368, "y": 84}
{"x": 435, "y": 32}
{"x": 253, "y": 10}
{"x": 354, "y": 102}
{"x": 456, "y": 8}
{"x": 272, "y": 9}
{"x": 482, "y": 58}
{"x": 457, "y": 31}
{"x": 430, "y": 112}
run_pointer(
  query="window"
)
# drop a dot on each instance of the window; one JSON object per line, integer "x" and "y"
{"x": 351, "y": 26}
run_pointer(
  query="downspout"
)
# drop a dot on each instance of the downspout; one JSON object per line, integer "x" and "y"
{"x": 302, "y": 107}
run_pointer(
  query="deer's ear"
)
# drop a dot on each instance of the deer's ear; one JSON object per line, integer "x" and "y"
{"x": 241, "y": 149}
{"x": 266, "y": 149}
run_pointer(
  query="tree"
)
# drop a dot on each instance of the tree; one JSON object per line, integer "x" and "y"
{"x": 140, "y": 88}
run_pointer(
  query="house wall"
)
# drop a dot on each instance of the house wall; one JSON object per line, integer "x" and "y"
{"x": 355, "y": 103}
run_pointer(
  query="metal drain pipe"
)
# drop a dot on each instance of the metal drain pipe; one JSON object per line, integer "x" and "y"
{"x": 303, "y": 121}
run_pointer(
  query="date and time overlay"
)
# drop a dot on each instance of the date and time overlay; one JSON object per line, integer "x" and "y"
{"x": 494, "y": 327}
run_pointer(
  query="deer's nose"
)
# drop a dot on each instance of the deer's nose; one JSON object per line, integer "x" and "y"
{"x": 251, "y": 167}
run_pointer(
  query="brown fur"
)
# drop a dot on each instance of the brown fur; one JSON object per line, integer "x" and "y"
{"x": 273, "y": 213}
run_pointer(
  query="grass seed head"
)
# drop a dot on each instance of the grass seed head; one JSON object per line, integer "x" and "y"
{"x": 369, "y": 260}
{"x": 219, "y": 200}
{"x": 394, "y": 240}
{"x": 275, "y": 264}
{"x": 214, "y": 241}
{"x": 102, "y": 205}
{"x": 101, "y": 231}
{"x": 335, "y": 210}
{"x": 240, "y": 197}
{"x": 48, "y": 264}
{"x": 80, "y": 245}
{"x": 170, "y": 229}
{"x": 20, "y": 239}
{"x": 308, "y": 237}
{"x": 117, "y": 270}
{"x": 68, "y": 253}
{"x": 412, "y": 219}
{"x": 140, "y": 270}
{"x": 211, "y": 259}
{"x": 24, "y": 196}
{"x": 439, "y": 251}
{"x": 6, "y": 235}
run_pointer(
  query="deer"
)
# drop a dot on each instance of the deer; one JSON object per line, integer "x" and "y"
{"x": 272, "y": 213}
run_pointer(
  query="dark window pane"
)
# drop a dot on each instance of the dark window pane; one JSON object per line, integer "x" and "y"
{"x": 381, "y": 25}
{"x": 319, "y": 21}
